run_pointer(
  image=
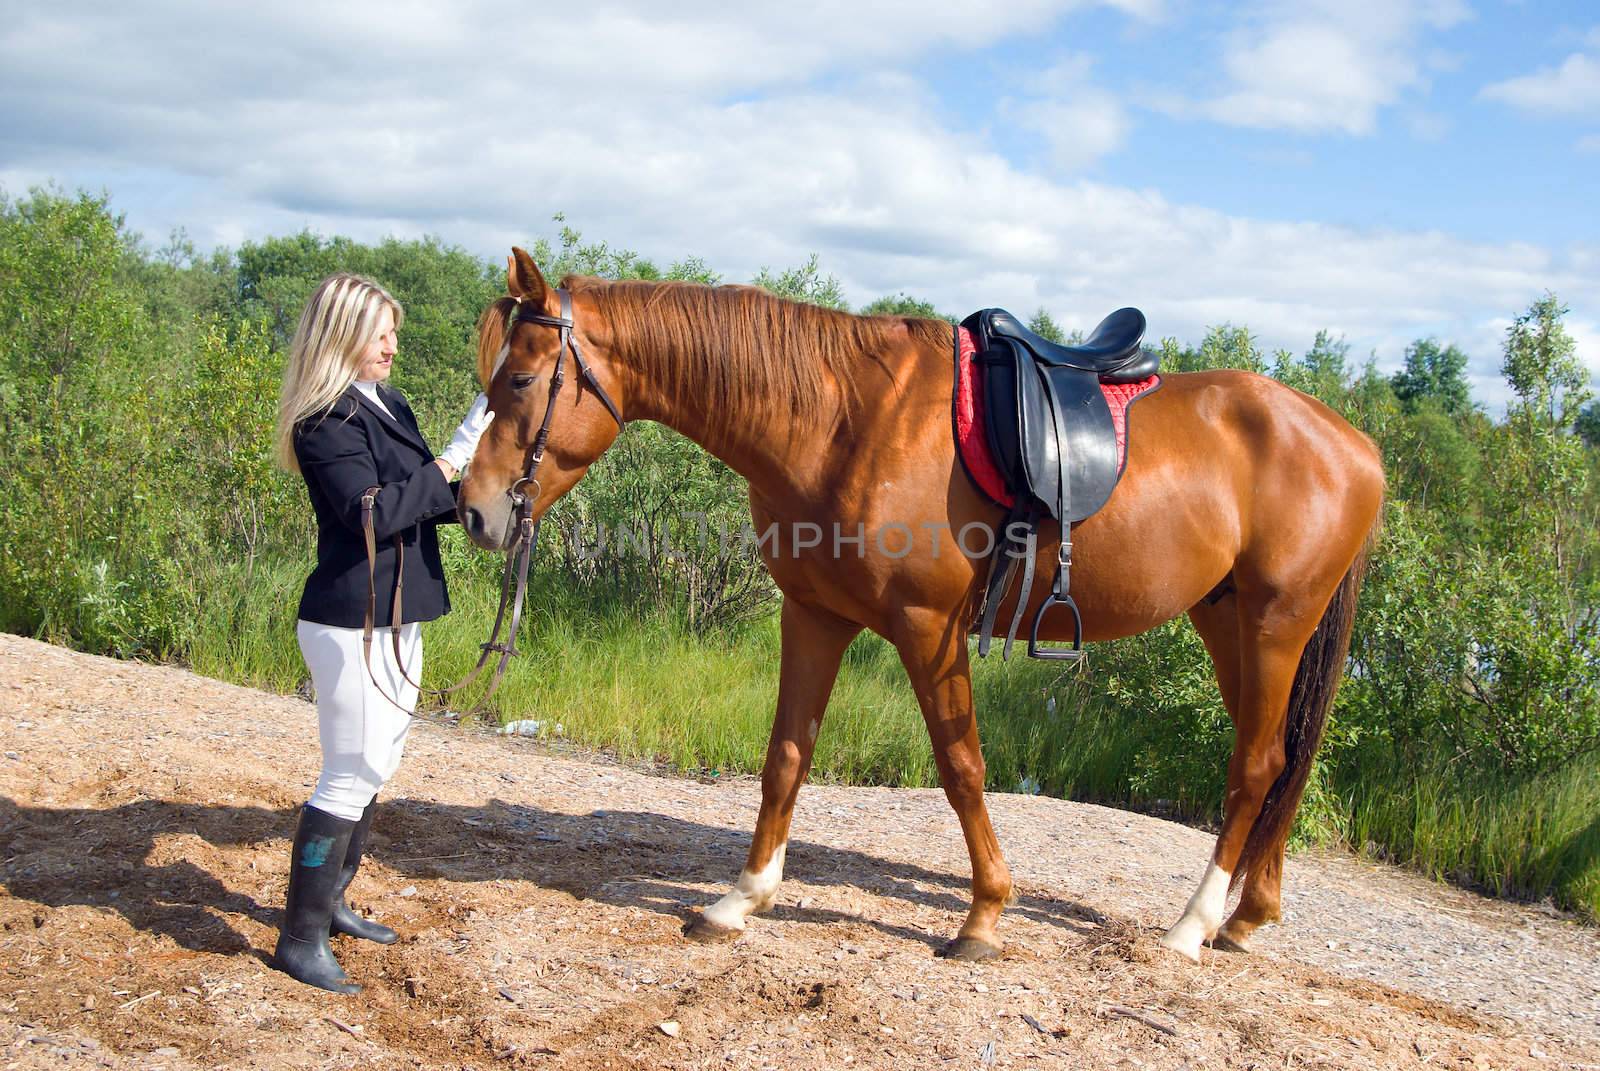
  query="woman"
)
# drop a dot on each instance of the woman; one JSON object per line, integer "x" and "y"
{"x": 344, "y": 431}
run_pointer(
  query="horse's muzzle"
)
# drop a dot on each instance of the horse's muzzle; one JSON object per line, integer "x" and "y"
{"x": 482, "y": 531}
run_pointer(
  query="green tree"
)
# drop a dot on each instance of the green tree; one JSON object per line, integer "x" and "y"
{"x": 1323, "y": 372}
{"x": 1371, "y": 404}
{"x": 693, "y": 270}
{"x": 657, "y": 524}
{"x": 181, "y": 286}
{"x": 1225, "y": 346}
{"x": 1535, "y": 677}
{"x": 1435, "y": 462}
{"x": 571, "y": 255}
{"x": 229, "y": 408}
{"x": 87, "y": 522}
{"x": 904, "y": 305}
{"x": 1045, "y": 326}
{"x": 276, "y": 275}
{"x": 1542, "y": 366}
{"x": 62, "y": 313}
{"x": 1587, "y": 424}
{"x": 806, "y": 283}
{"x": 1433, "y": 374}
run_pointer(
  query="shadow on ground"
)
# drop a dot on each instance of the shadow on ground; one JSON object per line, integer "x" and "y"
{"x": 106, "y": 858}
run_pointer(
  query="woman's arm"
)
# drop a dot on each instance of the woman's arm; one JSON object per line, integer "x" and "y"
{"x": 463, "y": 444}
{"x": 336, "y": 454}
{"x": 452, "y": 517}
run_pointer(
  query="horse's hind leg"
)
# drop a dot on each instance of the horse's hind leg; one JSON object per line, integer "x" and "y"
{"x": 1255, "y": 643}
{"x": 935, "y": 657}
{"x": 814, "y": 642}
{"x": 1259, "y": 899}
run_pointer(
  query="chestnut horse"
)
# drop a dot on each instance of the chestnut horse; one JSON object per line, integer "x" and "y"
{"x": 1245, "y": 504}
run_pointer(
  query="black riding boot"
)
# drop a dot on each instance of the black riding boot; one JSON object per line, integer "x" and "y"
{"x": 321, "y": 841}
{"x": 345, "y": 919}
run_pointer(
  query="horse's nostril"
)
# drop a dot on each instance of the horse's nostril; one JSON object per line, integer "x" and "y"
{"x": 472, "y": 520}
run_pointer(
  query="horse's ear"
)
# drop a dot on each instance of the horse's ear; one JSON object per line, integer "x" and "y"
{"x": 523, "y": 280}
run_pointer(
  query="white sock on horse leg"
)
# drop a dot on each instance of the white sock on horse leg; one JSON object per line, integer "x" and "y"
{"x": 753, "y": 893}
{"x": 1202, "y": 918}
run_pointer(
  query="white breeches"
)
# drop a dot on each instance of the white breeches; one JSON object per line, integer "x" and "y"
{"x": 362, "y": 733}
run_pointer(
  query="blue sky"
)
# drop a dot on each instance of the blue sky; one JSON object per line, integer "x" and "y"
{"x": 1384, "y": 170}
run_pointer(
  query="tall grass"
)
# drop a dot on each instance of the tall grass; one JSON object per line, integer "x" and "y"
{"x": 639, "y": 687}
{"x": 644, "y": 687}
{"x": 1527, "y": 837}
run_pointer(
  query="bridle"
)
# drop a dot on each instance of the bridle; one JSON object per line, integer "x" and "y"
{"x": 524, "y": 493}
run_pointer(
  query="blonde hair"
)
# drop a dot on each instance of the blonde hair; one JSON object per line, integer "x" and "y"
{"x": 338, "y": 322}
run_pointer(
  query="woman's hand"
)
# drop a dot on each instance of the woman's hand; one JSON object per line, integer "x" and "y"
{"x": 464, "y": 443}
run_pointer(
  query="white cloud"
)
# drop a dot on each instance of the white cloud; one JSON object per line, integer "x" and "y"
{"x": 1586, "y": 335}
{"x": 1327, "y": 65}
{"x": 265, "y": 132}
{"x": 1589, "y": 143}
{"x": 1078, "y": 121}
{"x": 606, "y": 49}
{"x": 1573, "y": 88}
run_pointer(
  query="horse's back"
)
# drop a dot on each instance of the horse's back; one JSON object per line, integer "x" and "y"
{"x": 1228, "y": 472}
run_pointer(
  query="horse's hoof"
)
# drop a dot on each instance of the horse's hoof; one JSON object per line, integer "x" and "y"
{"x": 706, "y": 932}
{"x": 1182, "y": 940}
{"x": 970, "y": 950}
{"x": 1224, "y": 943}
{"x": 1231, "y": 942}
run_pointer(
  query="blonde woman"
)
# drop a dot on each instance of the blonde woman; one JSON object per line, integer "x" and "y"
{"x": 344, "y": 430}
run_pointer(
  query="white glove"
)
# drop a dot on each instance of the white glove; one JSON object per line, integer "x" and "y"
{"x": 464, "y": 443}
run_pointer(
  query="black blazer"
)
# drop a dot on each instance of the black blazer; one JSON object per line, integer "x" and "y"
{"x": 341, "y": 454}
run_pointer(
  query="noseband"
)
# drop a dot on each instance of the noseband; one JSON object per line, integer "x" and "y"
{"x": 527, "y": 529}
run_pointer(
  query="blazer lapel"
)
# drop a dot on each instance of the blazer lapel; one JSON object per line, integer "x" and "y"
{"x": 401, "y": 409}
{"x": 393, "y": 423}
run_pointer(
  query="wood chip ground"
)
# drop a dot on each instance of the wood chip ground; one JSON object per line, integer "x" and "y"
{"x": 144, "y": 822}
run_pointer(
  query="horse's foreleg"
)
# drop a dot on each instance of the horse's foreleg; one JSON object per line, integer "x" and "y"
{"x": 1256, "y": 666}
{"x": 814, "y": 642}
{"x": 936, "y": 661}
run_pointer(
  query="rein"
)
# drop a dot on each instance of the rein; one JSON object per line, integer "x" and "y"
{"x": 527, "y": 529}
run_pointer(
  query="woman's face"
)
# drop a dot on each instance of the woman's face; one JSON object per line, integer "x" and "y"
{"x": 377, "y": 359}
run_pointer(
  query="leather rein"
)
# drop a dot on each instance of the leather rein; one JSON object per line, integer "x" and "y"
{"x": 521, "y": 519}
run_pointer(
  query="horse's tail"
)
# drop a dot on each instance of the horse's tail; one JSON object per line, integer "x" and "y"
{"x": 1316, "y": 680}
{"x": 492, "y": 337}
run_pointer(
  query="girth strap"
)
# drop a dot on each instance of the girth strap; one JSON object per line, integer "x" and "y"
{"x": 1022, "y": 544}
{"x": 1002, "y": 567}
{"x": 1030, "y": 545}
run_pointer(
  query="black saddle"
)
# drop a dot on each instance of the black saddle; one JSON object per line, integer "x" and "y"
{"x": 1052, "y": 437}
{"x": 1112, "y": 350}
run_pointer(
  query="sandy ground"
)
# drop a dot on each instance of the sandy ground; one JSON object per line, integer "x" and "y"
{"x": 144, "y": 822}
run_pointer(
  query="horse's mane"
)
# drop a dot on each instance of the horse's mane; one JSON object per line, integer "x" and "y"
{"x": 736, "y": 348}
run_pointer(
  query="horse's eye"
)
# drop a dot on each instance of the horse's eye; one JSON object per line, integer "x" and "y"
{"x": 522, "y": 381}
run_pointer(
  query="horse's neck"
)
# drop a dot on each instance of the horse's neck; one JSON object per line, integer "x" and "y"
{"x": 781, "y": 461}
{"x": 786, "y": 456}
